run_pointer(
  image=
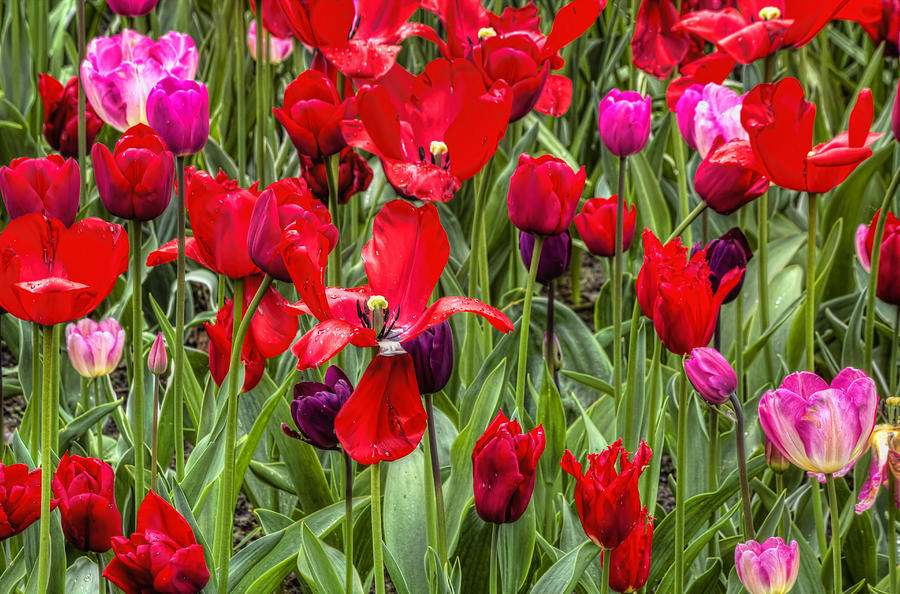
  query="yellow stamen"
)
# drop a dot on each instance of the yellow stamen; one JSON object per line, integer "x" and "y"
{"x": 769, "y": 12}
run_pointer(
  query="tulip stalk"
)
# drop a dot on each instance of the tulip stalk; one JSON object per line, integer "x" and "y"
{"x": 630, "y": 384}
{"x": 50, "y": 334}
{"x": 137, "y": 361}
{"x": 649, "y": 491}
{"x": 683, "y": 204}
{"x": 681, "y": 487}
{"x": 763, "y": 227}
{"x": 82, "y": 122}
{"x": 811, "y": 283}
{"x": 332, "y": 173}
{"x": 240, "y": 90}
{"x": 154, "y": 441}
{"x": 686, "y": 222}
{"x": 835, "y": 534}
{"x": 348, "y": 523}
{"x": 261, "y": 105}
{"x": 525, "y": 325}
{"x": 431, "y": 445}
{"x": 377, "y": 552}
{"x": 178, "y": 366}
{"x": 895, "y": 346}
{"x": 494, "y": 576}
{"x": 617, "y": 299}
{"x": 96, "y": 384}
{"x": 747, "y": 508}
{"x": 35, "y": 398}
{"x": 606, "y": 563}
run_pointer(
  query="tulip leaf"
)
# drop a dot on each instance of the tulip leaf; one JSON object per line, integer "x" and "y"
{"x": 390, "y": 563}
{"x": 551, "y": 415}
{"x": 653, "y": 211}
{"x": 323, "y": 566}
{"x": 708, "y": 581}
{"x": 13, "y": 574}
{"x": 404, "y": 517}
{"x": 77, "y": 426}
{"x": 860, "y": 549}
{"x": 565, "y": 573}
{"x": 83, "y": 577}
{"x": 516, "y": 548}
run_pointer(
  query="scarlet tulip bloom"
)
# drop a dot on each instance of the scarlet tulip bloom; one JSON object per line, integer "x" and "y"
{"x": 135, "y": 181}
{"x": 45, "y": 276}
{"x": 87, "y": 502}
{"x": 608, "y": 501}
{"x": 504, "y": 462}
{"x": 422, "y": 127}
{"x": 543, "y": 194}
{"x": 50, "y": 186}
{"x": 219, "y": 211}
{"x": 354, "y": 175}
{"x": 631, "y": 559}
{"x": 596, "y": 224}
{"x": 384, "y": 418}
{"x": 162, "y": 555}
{"x": 886, "y": 28}
{"x": 888, "y": 282}
{"x": 885, "y": 443}
{"x": 61, "y": 116}
{"x": 657, "y": 46}
{"x": 678, "y": 295}
{"x": 20, "y": 499}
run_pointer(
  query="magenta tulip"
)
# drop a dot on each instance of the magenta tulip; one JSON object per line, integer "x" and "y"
{"x": 179, "y": 112}
{"x": 712, "y": 376}
{"x": 769, "y": 567}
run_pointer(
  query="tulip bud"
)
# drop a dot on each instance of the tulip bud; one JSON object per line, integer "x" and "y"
{"x": 556, "y": 254}
{"x": 354, "y": 175}
{"x": 432, "y": 355}
{"x": 312, "y": 112}
{"x": 596, "y": 224}
{"x": 708, "y": 112}
{"x": 50, "y": 186}
{"x": 179, "y": 112}
{"x": 61, "y": 116}
{"x": 557, "y": 357}
{"x": 315, "y": 406}
{"x": 888, "y": 283}
{"x": 724, "y": 254}
{"x": 624, "y": 122}
{"x": 87, "y": 502}
{"x": 726, "y": 179}
{"x": 157, "y": 361}
{"x": 95, "y": 348}
{"x": 774, "y": 458}
{"x": 767, "y": 568}
{"x": 712, "y": 376}
{"x": 132, "y": 8}
{"x": 543, "y": 194}
{"x": 279, "y": 47}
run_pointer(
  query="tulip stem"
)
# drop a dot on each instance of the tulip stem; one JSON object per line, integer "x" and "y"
{"x": 836, "y": 533}
{"x": 817, "y": 515}
{"x": 747, "y": 508}
{"x": 178, "y": 365}
{"x": 261, "y": 82}
{"x": 763, "y": 230}
{"x": 82, "y": 126}
{"x": 683, "y": 202}
{"x": 874, "y": 259}
{"x": 892, "y": 533}
{"x": 96, "y": 383}
{"x": 617, "y": 300}
{"x": 549, "y": 345}
{"x": 811, "y": 283}
{"x": 377, "y": 552}
{"x": 681, "y": 486}
{"x": 648, "y": 496}
{"x": 436, "y": 477}
{"x": 47, "y": 413}
{"x": 524, "y": 326}
{"x": 687, "y": 221}
{"x": 35, "y": 398}
{"x": 495, "y": 557}
{"x": 779, "y": 488}
{"x": 348, "y": 523}
{"x": 137, "y": 371}
{"x": 154, "y": 442}
{"x": 894, "y": 349}
{"x": 712, "y": 470}
{"x": 630, "y": 384}
{"x": 240, "y": 90}
{"x": 605, "y": 563}
{"x": 332, "y": 172}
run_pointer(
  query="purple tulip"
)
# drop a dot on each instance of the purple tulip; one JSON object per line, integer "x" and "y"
{"x": 705, "y": 112}
{"x": 820, "y": 428}
{"x": 132, "y": 8}
{"x": 158, "y": 361}
{"x": 711, "y": 375}
{"x": 432, "y": 355}
{"x": 724, "y": 254}
{"x": 556, "y": 254}
{"x": 119, "y": 72}
{"x": 767, "y": 568}
{"x": 314, "y": 407}
{"x": 95, "y": 349}
{"x": 279, "y": 47}
{"x": 179, "y": 112}
{"x": 624, "y": 122}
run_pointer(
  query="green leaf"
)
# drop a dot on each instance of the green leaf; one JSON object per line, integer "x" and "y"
{"x": 83, "y": 577}
{"x": 323, "y": 566}
{"x": 551, "y": 415}
{"x": 77, "y": 426}
{"x": 404, "y": 518}
{"x": 565, "y": 573}
{"x": 651, "y": 204}
{"x": 13, "y": 574}
{"x": 516, "y": 549}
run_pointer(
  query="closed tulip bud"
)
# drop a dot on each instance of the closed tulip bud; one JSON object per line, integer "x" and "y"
{"x": 315, "y": 406}
{"x": 279, "y": 47}
{"x": 95, "y": 348}
{"x": 354, "y": 175}
{"x": 312, "y": 112}
{"x": 132, "y": 8}
{"x": 769, "y": 567}
{"x": 888, "y": 283}
{"x": 504, "y": 462}
{"x": 552, "y": 348}
{"x": 179, "y": 112}
{"x": 596, "y": 224}
{"x": 723, "y": 255}
{"x": 711, "y": 375}
{"x": 20, "y": 499}
{"x": 87, "y": 502}
{"x": 544, "y": 194}
{"x": 158, "y": 361}
{"x": 50, "y": 186}
{"x": 556, "y": 254}
{"x": 774, "y": 458}
{"x": 61, "y": 116}
{"x": 624, "y": 122}
{"x": 432, "y": 355}
{"x": 726, "y": 178}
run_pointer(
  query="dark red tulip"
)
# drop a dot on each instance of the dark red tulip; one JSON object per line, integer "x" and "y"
{"x": 20, "y": 499}
{"x": 219, "y": 211}
{"x": 631, "y": 559}
{"x": 422, "y": 127}
{"x": 432, "y": 355}
{"x": 724, "y": 254}
{"x": 657, "y": 47}
{"x": 61, "y": 116}
{"x": 50, "y": 274}
{"x": 888, "y": 287}
{"x": 274, "y": 19}
{"x": 87, "y": 502}
{"x": 314, "y": 407}
{"x": 729, "y": 177}
{"x": 162, "y": 555}
{"x": 312, "y": 114}
{"x": 503, "y": 465}
{"x": 608, "y": 501}
{"x": 50, "y": 186}
{"x": 543, "y": 194}
{"x": 886, "y": 28}
{"x": 556, "y": 255}
{"x": 135, "y": 181}
{"x": 354, "y": 175}
{"x": 596, "y": 224}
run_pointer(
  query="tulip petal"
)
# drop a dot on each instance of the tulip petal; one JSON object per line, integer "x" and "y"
{"x": 327, "y": 339}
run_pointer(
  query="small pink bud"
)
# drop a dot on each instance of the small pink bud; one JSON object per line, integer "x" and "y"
{"x": 157, "y": 361}
{"x": 711, "y": 375}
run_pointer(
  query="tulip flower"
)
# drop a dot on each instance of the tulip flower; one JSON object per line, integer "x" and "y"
{"x": 45, "y": 277}
{"x": 713, "y": 68}
{"x": 85, "y": 488}
{"x": 707, "y": 112}
{"x": 657, "y": 46}
{"x": 678, "y": 295}
{"x": 157, "y": 361}
{"x": 274, "y": 19}
{"x": 279, "y": 47}
{"x": 119, "y": 72}
{"x": 724, "y": 254}
{"x": 384, "y": 418}
{"x": 556, "y": 254}
{"x": 179, "y": 112}
{"x": 728, "y": 178}
{"x": 162, "y": 554}
{"x": 50, "y": 186}
{"x": 543, "y": 194}
{"x": 428, "y": 153}
{"x": 432, "y": 356}
{"x": 95, "y": 349}
{"x": 504, "y": 462}
{"x": 821, "y": 428}
{"x": 132, "y": 8}
{"x": 135, "y": 181}
{"x": 354, "y": 175}
{"x": 315, "y": 406}
{"x": 631, "y": 560}
{"x": 61, "y": 116}
{"x": 886, "y": 28}
{"x": 888, "y": 282}
{"x": 769, "y": 567}
{"x": 608, "y": 501}
{"x": 596, "y": 224}
{"x": 780, "y": 124}
{"x": 20, "y": 499}
{"x": 885, "y": 442}
{"x": 711, "y": 375}
{"x": 312, "y": 114}
{"x": 624, "y": 122}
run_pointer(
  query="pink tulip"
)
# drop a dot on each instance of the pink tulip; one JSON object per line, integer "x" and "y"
{"x": 767, "y": 568}
{"x": 712, "y": 376}
{"x": 279, "y": 47}
{"x": 95, "y": 348}
{"x": 118, "y": 72}
{"x": 885, "y": 445}
{"x": 820, "y": 428}
{"x": 706, "y": 112}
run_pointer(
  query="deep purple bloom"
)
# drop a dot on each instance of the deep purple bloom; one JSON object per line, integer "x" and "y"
{"x": 556, "y": 254}
{"x": 624, "y": 122}
{"x": 314, "y": 407}
{"x": 432, "y": 355}
{"x": 179, "y": 112}
{"x": 724, "y": 254}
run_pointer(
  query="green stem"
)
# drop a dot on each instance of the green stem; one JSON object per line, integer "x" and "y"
{"x": 683, "y": 203}
{"x": 494, "y": 576}
{"x": 575, "y": 275}
{"x": 811, "y": 283}
{"x": 34, "y": 398}
{"x": 739, "y": 344}
{"x": 892, "y": 533}
{"x": 712, "y": 469}
{"x": 648, "y": 493}
{"x": 261, "y": 82}
{"x": 836, "y": 533}
{"x": 154, "y": 442}
{"x": 332, "y": 171}
{"x": 240, "y": 90}
{"x": 630, "y": 383}
{"x": 779, "y": 488}
{"x": 96, "y": 383}
{"x": 137, "y": 370}
{"x": 348, "y": 523}
{"x": 747, "y": 508}
{"x": 606, "y": 563}
{"x": 681, "y": 487}
{"x": 47, "y": 415}
{"x": 436, "y": 479}
{"x": 525, "y": 325}
{"x": 430, "y": 506}
{"x": 377, "y": 552}
{"x": 763, "y": 259}
{"x": 687, "y": 222}
{"x": 818, "y": 517}
{"x": 617, "y": 295}
{"x": 82, "y": 126}
{"x": 895, "y": 346}
{"x": 178, "y": 366}
{"x": 54, "y": 393}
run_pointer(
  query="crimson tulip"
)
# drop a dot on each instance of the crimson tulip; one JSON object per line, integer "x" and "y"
{"x": 312, "y": 114}
{"x": 608, "y": 501}
{"x": 219, "y": 211}
{"x": 274, "y": 19}
{"x": 46, "y": 275}
{"x": 422, "y": 126}
{"x": 20, "y": 499}
{"x": 135, "y": 181}
{"x": 354, "y": 175}
{"x": 729, "y": 177}
{"x": 543, "y": 194}
{"x": 87, "y": 502}
{"x": 162, "y": 555}
{"x": 61, "y": 116}
{"x": 50, "y": 186}
{"x": 657, "y": 46}
{"x": 596, "y": 224}
{"x": 886, "y": 28}
{"x": 179, "y": 111}
{"x": 888, "y": 282}
{"x": 631, "y": 560}
{"x": 504, "y": 462}
{"x": 384, "y": 418}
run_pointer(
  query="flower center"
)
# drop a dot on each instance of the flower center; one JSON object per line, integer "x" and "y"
{"x": 486, "y": 32}
{"x": 375, "y": 314}
{"x": 769, "y": 13}
{"x": 440, "y": 154}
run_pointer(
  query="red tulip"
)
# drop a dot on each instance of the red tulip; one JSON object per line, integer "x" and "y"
{"x": 888, "y": 288}
{"x": 713, "y": 68}
{"x": 135, "y": 181}
{"x": 20, "y": 499}
{"x": 780, "y": 124}
{"x": 728, "y": 177}
{"x": 384, "y": 418}
{"x": 422, "y": 127}
{"x": 50, "y": 186}
{"x": 631, "y": 559}
{"x": 50, "y": 274}
{"x": 608, "y": 502}
{"x": 354, "y": 175}
{"x": 657, "y": 46}
{"x": 678, "y": 296}
{"x": 886, "y": 27}
{"x": 61, "y": 116}
{"x": 274, "y": 19}
{"x": 219, "y": 211}
{"x": 596, "y": 224}
{"x": 543, "y": 194}
{"x": 503, "y": 464}
{"x": 162, "y": 555}
{"x": 87, "y": 502}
